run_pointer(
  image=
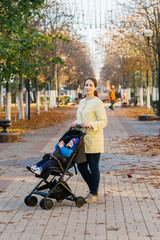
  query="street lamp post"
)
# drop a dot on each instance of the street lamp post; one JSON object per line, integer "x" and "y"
{"x": 149, "y": 33}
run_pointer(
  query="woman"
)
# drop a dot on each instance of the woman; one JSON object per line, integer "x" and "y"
{"x": 91, "y": 114}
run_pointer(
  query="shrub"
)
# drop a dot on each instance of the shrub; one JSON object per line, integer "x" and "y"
{"x": 155, "y": 105}
{"x": 63, "y": 100}
{"x": 42, "y": 99}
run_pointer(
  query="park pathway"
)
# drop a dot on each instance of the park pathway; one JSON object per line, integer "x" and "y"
{"x": 129, "y": 202}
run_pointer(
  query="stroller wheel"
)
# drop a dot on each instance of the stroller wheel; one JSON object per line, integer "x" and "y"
{"x": 79, "y": 201}
{"x": 31, "y": 201}
{"x": 46, "y": 204}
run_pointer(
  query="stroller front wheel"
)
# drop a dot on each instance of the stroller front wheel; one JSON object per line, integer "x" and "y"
{"x": 46, "y": 204}
{"x": 31, "y": 201}
{"x": 79, "y": 201}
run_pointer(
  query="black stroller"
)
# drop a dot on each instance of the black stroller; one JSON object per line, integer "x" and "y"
{"x": 57, "y": 187}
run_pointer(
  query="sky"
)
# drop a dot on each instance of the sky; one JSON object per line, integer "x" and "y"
{"x": 93, "y": 18}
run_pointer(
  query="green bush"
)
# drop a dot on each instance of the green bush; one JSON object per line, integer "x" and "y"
{"x": 155, "y": 105}
{"x": 42, "y": 99}
{"x": 63, "y": 100}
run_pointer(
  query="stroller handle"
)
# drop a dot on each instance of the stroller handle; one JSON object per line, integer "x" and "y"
{"x": 79, "y": 126}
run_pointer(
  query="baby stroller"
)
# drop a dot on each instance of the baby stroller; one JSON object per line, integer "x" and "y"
{"x": 57, "y": 187}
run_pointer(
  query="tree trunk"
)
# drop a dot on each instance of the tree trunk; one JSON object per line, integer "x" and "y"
{"x": 153, "y": 94}
{"x": 52, "y": 98}
{"x": 153, "y": 87}
{"x": 45, "y": 98}
{"x": 141, "y": 97}
{"x": 21, "y": 103}
{"x": 73, "y": 94}
{"x": 158, "y": 80}
{"x": 147, "y": 92}
{"x": 1, "y": 96}
{"x": 26, "y": 96}
{"x": 140, "y": 91}
{"x": 37, "y": 102}
{"x": 8, "y": 101}
{"x": 148, "y": 98}
{"x": 37, "y": 98}
{"x": 52, "y": 93}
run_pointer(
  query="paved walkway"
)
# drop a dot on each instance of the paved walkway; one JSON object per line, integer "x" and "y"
{"x": 129, "y": 202}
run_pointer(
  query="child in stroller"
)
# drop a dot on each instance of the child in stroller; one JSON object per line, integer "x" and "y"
{"x": 57, "y": 186}
{"x": 61, "y": 153}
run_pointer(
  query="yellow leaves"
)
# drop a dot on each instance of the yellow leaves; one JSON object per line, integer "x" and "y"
{"x": 44, "y": 119}
{"x": 41, "y": 78}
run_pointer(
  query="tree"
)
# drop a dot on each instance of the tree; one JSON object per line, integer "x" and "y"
{"x": 14, "y": 19}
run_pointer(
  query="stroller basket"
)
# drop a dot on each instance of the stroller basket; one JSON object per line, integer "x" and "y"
{"x": 58, "y": 188}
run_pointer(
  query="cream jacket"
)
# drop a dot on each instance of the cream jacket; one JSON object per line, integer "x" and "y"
{"x": 92, "y": 111}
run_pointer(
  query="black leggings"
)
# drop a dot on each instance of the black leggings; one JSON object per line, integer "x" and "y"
{"x": 91, "y": 175}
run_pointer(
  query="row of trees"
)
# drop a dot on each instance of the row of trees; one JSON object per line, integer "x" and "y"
{"x": 34, "y": 35}
{"x": 137, "y": 58}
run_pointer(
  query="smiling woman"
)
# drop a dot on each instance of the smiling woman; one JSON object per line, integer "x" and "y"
{"x": 92, "y": 115}
{"x": 91, "y": 88}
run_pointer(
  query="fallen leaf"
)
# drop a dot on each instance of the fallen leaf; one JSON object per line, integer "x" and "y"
{"x": 113, "y": 229}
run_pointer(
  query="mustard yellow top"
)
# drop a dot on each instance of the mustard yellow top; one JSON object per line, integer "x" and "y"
{"x": 92, "y": 111}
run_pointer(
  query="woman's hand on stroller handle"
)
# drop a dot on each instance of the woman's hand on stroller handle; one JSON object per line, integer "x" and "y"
{"x": 82, "y": 125}
{"x": 86, "y": 125}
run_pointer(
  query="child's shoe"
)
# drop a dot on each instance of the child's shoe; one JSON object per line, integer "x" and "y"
{"x": 36, "y": 170}
{"x": 31, "y": 168}
{"x": 34, "y": 167}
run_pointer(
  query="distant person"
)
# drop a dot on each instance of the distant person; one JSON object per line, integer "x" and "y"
{"x": 124, "y": 97}
{"x": 112, "y": 97}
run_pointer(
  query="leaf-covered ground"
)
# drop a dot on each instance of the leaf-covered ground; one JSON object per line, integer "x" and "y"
{"x": 132, "y": 112}
{"x": 144, "y": 146}
{"x": 44, "y": 119}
